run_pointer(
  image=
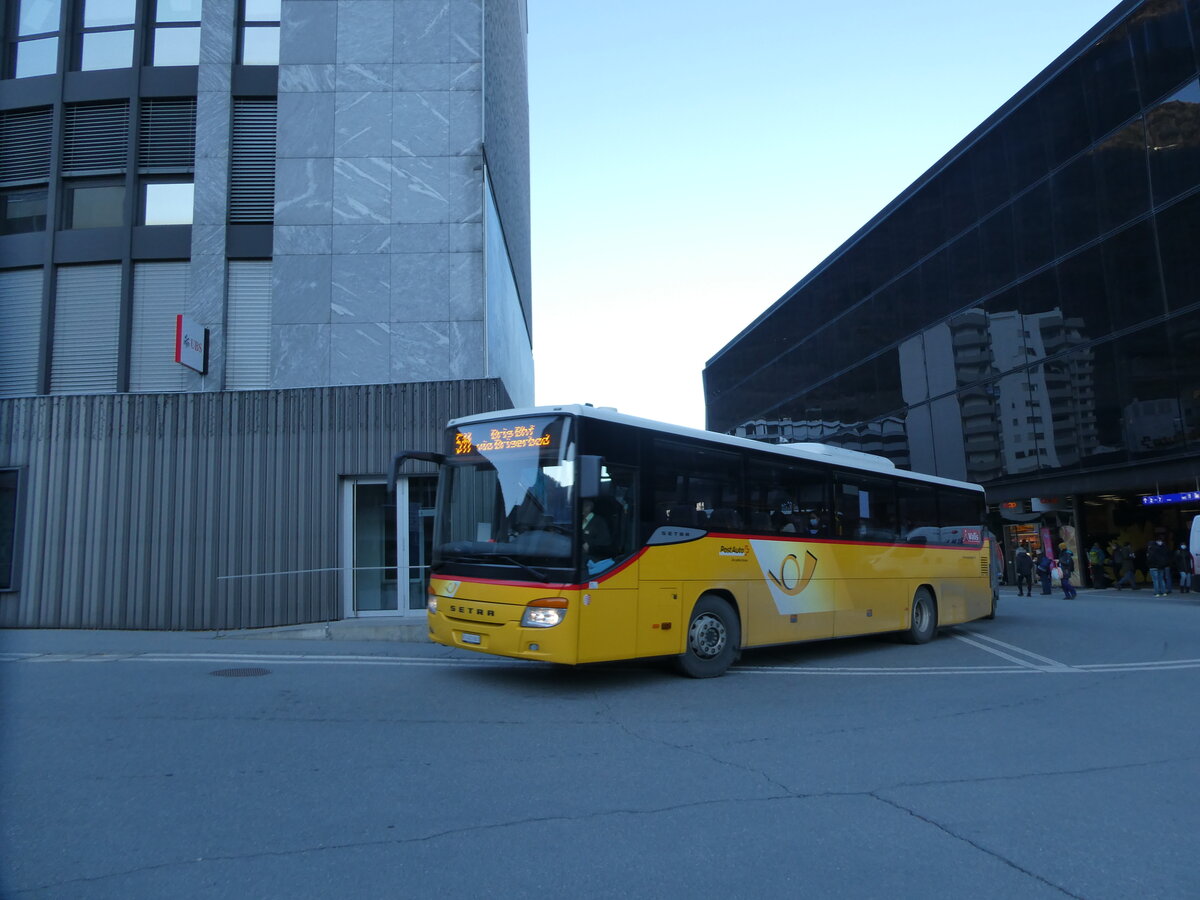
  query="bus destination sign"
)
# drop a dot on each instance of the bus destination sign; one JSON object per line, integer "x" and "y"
{"x": 489, "y": 439}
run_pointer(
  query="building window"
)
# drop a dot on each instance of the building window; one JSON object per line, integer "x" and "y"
{"x": 93, "y": 204}
{"x": 166, "y": 203}
{"x": 176, "y": 33}
{"x": 248, "y": 326}
{"x": 260, "y": 33}
{"x": 10, "y": 484}
{"x": 160, "y": 292}
{"x": 23, "y": 210}
{"x": 106, "y": 35}
{"x": 20, "y": 338}
{"x": 34, "y": 45}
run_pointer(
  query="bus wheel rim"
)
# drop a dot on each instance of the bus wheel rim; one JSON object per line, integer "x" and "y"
{"x": 707, "y": 636}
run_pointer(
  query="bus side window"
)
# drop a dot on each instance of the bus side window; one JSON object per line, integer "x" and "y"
{"x": 917, "y": 507}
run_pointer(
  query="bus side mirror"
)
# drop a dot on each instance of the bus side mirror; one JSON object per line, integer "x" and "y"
{"x": 589, "y": 476}
{"x": 437, "y": 458}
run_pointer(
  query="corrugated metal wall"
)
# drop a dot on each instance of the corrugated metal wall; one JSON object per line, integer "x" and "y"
{"x": 138, "y": 507}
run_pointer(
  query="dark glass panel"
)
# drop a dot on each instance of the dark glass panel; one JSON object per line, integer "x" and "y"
{"x": 1032, "y": 221}
{"x": 1123, "y": 186}
{"x": 1026, "y": 141}
{"x": 1073, "y": 189}
{"x": 935, "y": 289}
{"x": 1132, "y": 273}
{"x": 95, "y": 206}
{"x": 1110, "y": 395}
{"x": 1109, "y": 85}
{"x": 1151, "y": 414}
{"x": 965, "y": 260}
{"x": 958, "y": 203}
{"x": 1162, "y": 47}
{"x": 23, "y": 210}
{"x": 997, "y": 248}
{"x": 1036, "y": 297}
{"x": 1174, "y": 141}
{"x": 1184, "y": 334}
{"x": 1179, "y": 247}
{"x": 1063, "y": 115}
{"x": 989, "y": 170}
{"x": 924, "y": 223}
{"x": 1084, "y": 294}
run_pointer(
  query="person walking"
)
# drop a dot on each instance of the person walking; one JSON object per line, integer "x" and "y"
{"x": 1023, "y": 563}
{"x": 1185, "y": 565}
{"x": 1096, "y": 565}
{"x": 1066, "y": 562}
{"x": 1158, "y": 561}
{"x": 1044, "y": 565}
{"x": 1123, "y": 559}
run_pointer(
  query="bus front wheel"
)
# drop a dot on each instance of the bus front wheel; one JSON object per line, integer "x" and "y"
{"x": 712, "y": 640}
{"x": 923, "y": 622}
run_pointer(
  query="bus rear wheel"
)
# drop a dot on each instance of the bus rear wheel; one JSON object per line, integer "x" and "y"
{"x": 713, "y": 637}
{"x": 923, "y": 623}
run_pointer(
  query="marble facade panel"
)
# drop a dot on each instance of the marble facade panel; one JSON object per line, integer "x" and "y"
{"x": 362, "y": 190}
{"x": 218, "y": 36}
{"x": 421, "y": 123}
{"x": 299, "y": 355}
{"x": 303, "y": 128}
{"x": 364, "y": 77}
{"x": 466, "y": 123}
{"x": 420, "y": 290}
{"x": 360, "y": 353}
{"x": 465, "y": 275}
{"x": 304, "y": 192}
{"x": 468, "y": 350}
{"x": 464, "y": 178}
{"x": 363, "y": 124}
{"x": 431, "y": 238}
{"x": 212, "y": 125}
{"x": 466, "y": 31}
{"x": 308, "y": 32}
{"x": 301, "y": 78}
{"x": 362, "y": 238}
{"x": 422, "y": 31}
{"x": 422, "y": 76}
{"x": 421, "y": 189}
{"x": 300, "y": 290}
{"x": 302, "y": 239}
{"x": 361, "y": 289}
{"x": 421, "y": 351}
{"x": 365, "y": 31}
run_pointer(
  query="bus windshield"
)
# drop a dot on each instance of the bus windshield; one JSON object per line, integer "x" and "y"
{"x": 508, "y": 495}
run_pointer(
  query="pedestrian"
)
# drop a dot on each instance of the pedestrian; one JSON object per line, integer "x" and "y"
{"x": 1066, "y": 562}
{"x": 1044, "y": 565}
{"x": 1123, "y": 558}
{"x": 1096, "y": 565}
{"x": 1023, "y": 563}
{"x": 1186, "y": 567}
{"x": 1158, "y": 561}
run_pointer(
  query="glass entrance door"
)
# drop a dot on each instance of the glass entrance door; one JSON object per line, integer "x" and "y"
{"x": 387, "y": 541}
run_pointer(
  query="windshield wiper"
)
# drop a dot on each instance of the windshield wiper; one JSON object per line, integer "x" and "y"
{"x": 498, "y": 557}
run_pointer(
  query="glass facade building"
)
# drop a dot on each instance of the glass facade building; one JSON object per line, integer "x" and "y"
{"x": 1027, "y": 314}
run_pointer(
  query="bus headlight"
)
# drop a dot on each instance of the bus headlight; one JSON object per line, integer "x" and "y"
{"x": 544, "y": 613}
{"x": 431, "y": 604}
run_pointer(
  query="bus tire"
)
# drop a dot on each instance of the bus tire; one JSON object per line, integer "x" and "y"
{"x": 995, "y": 599}
{"x": 713, "y": 637}
{"x": 923, "y": 622}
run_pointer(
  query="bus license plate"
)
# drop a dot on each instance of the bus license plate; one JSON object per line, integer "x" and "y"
{"x": 471, "y": 638}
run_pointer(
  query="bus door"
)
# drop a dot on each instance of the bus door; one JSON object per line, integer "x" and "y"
{"x": 608, "y": 603}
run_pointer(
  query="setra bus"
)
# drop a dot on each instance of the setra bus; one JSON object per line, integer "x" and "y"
{"x": 573, "y": 534}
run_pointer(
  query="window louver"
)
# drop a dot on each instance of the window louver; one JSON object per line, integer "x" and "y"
{"x": 252, "y": 162}
{"x": 167, "y": 135}
{"x": 248, "y": 328}
{"x": 87, "y": 309}
{"x": 95, "y": 138}
{"x": 160, "y": 292}
{"x": 20, "y": 326}
{"x": 25, "y": 145}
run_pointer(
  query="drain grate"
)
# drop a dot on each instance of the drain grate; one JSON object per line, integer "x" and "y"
{"x": 241, "y": 673}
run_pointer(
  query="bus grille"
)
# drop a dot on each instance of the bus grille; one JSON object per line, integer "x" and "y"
{"x": 985, "y": 567}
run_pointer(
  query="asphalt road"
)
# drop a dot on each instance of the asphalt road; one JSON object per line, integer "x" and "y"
{"x": 1052, "y": 752}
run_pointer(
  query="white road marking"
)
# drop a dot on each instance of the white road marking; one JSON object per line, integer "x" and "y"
{"x": 1048, "y": 664}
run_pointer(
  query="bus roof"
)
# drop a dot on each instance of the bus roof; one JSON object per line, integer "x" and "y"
{"x": 810, "y": 452}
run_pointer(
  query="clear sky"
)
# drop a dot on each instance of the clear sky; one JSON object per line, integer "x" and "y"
{"x": 691, "y": 160}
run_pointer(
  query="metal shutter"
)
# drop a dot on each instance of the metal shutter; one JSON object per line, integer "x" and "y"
{"x": 252, "y": 162}
{"x": 25, "y": 145}
{"x": 167, "y": 135}
{"x": 95, "y": 138}
{"x": 248, "y": 330}
{"x": 20, "y": 329}
{"x": 87, "y": 310}
{"x": 160, "y": 292}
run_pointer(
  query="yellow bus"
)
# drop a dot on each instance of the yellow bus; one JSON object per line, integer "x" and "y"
{"x": 573, "y": 534}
